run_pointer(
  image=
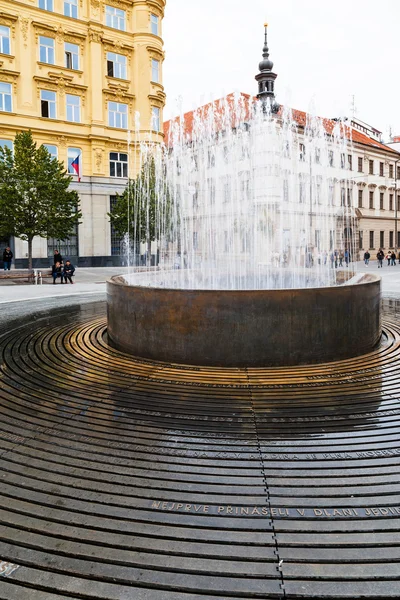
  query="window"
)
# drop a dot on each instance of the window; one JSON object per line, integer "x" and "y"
{"x": 381, "y": 196}
{"x": 46, "y": 50}
{"x": 390, "y": 201}
{"x": 331, "y": 158}
{"x": 381, "y": 169}
{"x": 360, "y": 240}
{"x": 74, "y": 159}
{"x": 360, "y": 198}
{"x": 116, "y": 18}
{"x": 350, "y": 162}
{"x": 5, "y": 40}
{"x": 391, "y": 238}
{"x": 73, "y": 108}
{"x": 118, "y": 164}
{"x": 71, "y": 56}
{"x": 317, "y": 155}
{"x": 382, "y": 239}
{"x": 342, "y": 161}
{"x": 46, "y": 4}
{"x": 155, "y": 118}
{"x": 118, "y": 115}
{"x": 155, "y": 71}
{"x": 302, "y": 150}
{"x": 360, "y": 164}
{"x": 302, "y": 194}
{"x": 6, "y": 144}
{"x": 5, "y": 97}
{"x": 398, "y": 203}
{"x": 48, "y": 102}
{"x": 398, "y": 173}
{"x": 398, "y": 239}
{"x": 227, "y": 189}
{"x": 211, "y": 190}
{"x": 52, "y": 150}
{"x": 371, "y": 239}
{"x": 71, "y": 8}
{"x": 331, "y": 195}
{"x": 116, "y": 240}
{"x": 342, "y": 196}
{"x": 286, "y": 190}
{"x": 391, "y": 172}
{"x": 371, "y": 167}
{"x": 116, "y": 65}
{"x": 371, "y": 199}
{"x": 154, "y": 20}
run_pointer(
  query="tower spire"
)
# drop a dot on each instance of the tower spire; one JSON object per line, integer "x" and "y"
{"x": 266, "y": 78}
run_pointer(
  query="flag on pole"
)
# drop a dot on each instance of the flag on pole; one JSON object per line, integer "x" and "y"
{"x": 76, "y": 165}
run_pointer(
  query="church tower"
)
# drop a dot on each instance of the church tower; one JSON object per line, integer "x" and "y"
{"x": 266, "y": 78}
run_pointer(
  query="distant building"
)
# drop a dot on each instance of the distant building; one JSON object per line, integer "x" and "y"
{"x": 76, "y": 73}
{"x": 363, "y": 182}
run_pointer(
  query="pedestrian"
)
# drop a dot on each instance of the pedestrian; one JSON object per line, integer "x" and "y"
{"x": 56, "y": 271}
{"x": 380, "y": 256}
{"x": 336, "y": 258}
{"x": 7, "y": 258}
{"x": 325, "y": 257}
{"x": 388, "y": 257}
{"x": 367, "y": 256}
{"x": 57, "y": 258}
{"x": 346, "y": 257}
{"x": 341, "y": 257}
{"x": 68, "y": 271}
{"x": 393, "y": 259}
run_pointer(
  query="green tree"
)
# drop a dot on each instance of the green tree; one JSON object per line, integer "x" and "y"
{"x": 144, "y": 209}
{"x": 35, "y": 199}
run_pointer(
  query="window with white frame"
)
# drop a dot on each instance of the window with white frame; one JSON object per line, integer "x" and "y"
{"x": 71, "y": 8}
{"x": 155, "y": 118}
{"x": 52, "y": 150}
{"x": 5, "y": 97}
{"x": 71, "y": 56}
{"x": 46, "y": 4}
{"x": 5, "y": 47}
{"x": 116, "y": 18}
{"x": 116, "y": 65}
{"x": 48, "y": 102}
{"x": 46, "y": 50}
{"x": 118, "y": 115}
{"x": 155, "y": 70}
{"x": 154, "y": 22}
{"x": 74, "y": 158}
{"x": 73, "y": 108}
{"x": 118, "y": 164}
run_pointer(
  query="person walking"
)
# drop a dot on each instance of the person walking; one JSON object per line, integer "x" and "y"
{"x": 346, "y": 257}
{"x": 380, "y": 256}
{"x": 388, "y": 257}
{"x": 367, "y": 256}
{"x": 393, "y": 259}
{"x": 341, "y": 257}
{"x": 7, "y": 258}
{"x": 336, "y": 253}
{"x": 69, "y": 270}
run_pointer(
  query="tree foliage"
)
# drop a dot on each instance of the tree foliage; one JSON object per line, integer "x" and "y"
{"x": 35, "y": 199}
{"x": 144, "y": 209}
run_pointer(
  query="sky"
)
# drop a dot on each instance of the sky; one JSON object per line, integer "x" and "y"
{"x": 325, "y": 53}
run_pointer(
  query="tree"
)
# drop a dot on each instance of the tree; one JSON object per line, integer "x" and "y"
{"x": 144, "y": 209}
{"x": 35, "y": 199}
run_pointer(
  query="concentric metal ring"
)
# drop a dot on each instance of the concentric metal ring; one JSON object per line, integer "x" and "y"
{"x": 128, "y": 479}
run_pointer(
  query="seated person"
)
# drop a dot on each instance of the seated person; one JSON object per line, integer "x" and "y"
{"x": 69, "y": 270}
{"x": 56, "y": 271}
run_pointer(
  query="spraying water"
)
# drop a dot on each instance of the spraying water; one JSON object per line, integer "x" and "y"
{"x": 243, "y": 198}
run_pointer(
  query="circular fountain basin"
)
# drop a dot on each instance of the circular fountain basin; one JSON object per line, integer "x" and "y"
{"x": 245, "y": 328}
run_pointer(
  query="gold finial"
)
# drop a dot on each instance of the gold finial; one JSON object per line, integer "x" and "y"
{"x": 265, "y": 24}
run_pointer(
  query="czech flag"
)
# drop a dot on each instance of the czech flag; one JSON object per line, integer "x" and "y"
{"x": 76, "y": 166}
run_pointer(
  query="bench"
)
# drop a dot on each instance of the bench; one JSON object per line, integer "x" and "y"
{"x": 29, "y": 276}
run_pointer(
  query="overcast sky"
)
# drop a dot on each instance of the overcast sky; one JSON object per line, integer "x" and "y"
{"x": 324, "y": 52}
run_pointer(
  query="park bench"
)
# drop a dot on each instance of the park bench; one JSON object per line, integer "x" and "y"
{"x": 26, "y": 274}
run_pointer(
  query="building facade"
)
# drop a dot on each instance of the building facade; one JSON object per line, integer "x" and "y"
{"x": 85, "y": 76}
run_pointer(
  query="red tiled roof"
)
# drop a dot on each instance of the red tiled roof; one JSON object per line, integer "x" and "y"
{"x": 299, "y": 116}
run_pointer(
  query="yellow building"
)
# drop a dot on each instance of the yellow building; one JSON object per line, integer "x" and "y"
{"x": 80, "y": 74}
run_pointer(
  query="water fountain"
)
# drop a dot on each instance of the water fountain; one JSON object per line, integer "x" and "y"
{"x": 252, "y": 200}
